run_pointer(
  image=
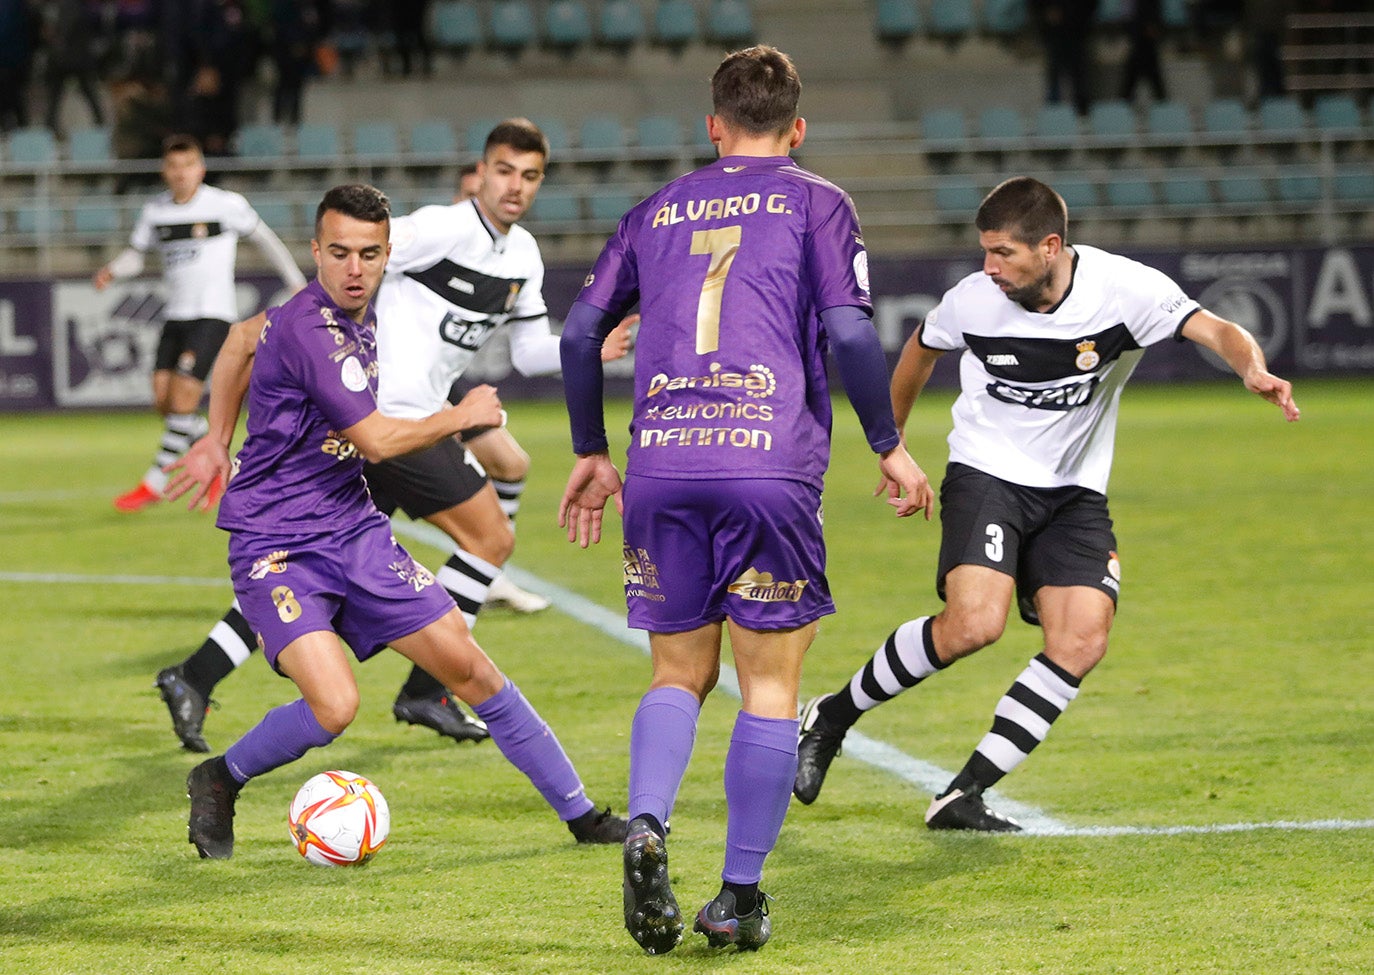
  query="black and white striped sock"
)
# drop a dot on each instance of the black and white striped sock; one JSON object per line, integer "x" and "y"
{"x": 1021, "y": 721}
{"x": 179, "y": 431}
{"x": 468, "y": 580}
{"x": 228, "y": 645}
{"x": 903, "y": 661}
{"x": 509, "y": 493}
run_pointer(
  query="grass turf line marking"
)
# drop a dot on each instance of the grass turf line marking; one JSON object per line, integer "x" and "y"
{"x": 74, "y": 578}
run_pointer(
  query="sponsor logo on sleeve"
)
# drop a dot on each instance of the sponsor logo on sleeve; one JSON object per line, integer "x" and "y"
{"x": 353, "y": 375}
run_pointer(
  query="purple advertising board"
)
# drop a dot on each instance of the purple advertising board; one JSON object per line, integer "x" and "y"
{"x": 65, "y": 345}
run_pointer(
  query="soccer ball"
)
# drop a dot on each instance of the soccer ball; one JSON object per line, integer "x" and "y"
{"x": 339, "y": 819}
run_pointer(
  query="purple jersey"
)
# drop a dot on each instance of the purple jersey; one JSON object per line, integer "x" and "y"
{"x": 314, "y": 375}
{"x": 732, "y": 265}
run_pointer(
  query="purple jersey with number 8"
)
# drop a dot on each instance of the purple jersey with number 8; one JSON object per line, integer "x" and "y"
{"x": 736, "y": 262}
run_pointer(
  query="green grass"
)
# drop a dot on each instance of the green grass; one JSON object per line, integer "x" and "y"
{"x": 1237, "y": 690}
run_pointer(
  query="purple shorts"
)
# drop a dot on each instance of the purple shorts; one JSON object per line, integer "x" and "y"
{"x": 358, "y": 583}
{"x": 701, "y": 551}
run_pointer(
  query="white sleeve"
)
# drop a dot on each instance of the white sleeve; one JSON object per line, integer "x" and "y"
{"x": 534, "y": 347}
{"x": 275, "y": 251}
{"x": 127, "y": 264}
{"x": 420, "y": 239}
{"x": 1153, "y": 306}
{"x": 143, "y": 236}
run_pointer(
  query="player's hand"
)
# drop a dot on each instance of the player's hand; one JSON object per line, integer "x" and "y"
{"x": 481, "y": 407}
{"x": 1275, "y": 390}
{"x": 619, "y": 340}
{"x": 204, "y": 468}
{"x": 102, "y": 278}
{"x": 594, "y": 481}
{"x": 905, "y": 484}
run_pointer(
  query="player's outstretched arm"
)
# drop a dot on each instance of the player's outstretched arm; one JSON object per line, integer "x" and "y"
{"x": 905, "y": 484}
{"x": 380, "y": 437}
{"x": 594, "y": 481}
{"x": 1242, "y": 353}
{"x": 205, "y": 467}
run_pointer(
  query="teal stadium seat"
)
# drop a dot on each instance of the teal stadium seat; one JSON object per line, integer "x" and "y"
{"x": 1354, "y": 184}
{"x": 1175, "y": 14}
{"x": 456, "y": 28}
{"x": 475, "y": 135}
{"x": 34, "y": 220}
{"x": 1113, "y": 120}
{"x": 277, "y": 213}
{"x": 256, "y": 141}
{"x": 675, "y": 24}
{"x": 96, "y": 216}
{"x": 90, "y": 147}
{"x": 433, "y": 137}
{"x": 608, "y": 206}
{"x": 1298, "y": 187}
{"x": 658, "y": 133}
{"x": 556, "y": 132}
{"x": 944, "y": 125}
{"x": 318, "y": 142}
{"x": 1129, "y": 193}
{"x": 1056, "y": 123}
{"x": 951, "y": 20}
{"x": 1225, "y": 117}
{"x": 957, "y": 196}
{"x": 620, "y": 25}
{"x": 567, "y": 26}
{"x": 1005, "y": 18}
{"x": 557, "y": 204}
{"x": 1001, "y": 122}
{"x": 1282, "y": 117}
{"x": 1336, "y": 113}
{"x": 1169, "y": 120}
{"x": 376, "y": 141}
{"x": 897, "y": 22}
{"x": 729, "y": 23}
{"x": 1078, "y": 193}
{"x": 32, "y": 147}
{"x": 1185, "y": 190}
{"x": 1113, "y": 13}
{"x": 512, "y": 27}
{"x": 601, "y": 133}
{"x": 1242, "y": 188}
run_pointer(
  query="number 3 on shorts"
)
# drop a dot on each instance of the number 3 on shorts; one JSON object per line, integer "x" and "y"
{"x": 994, "y": 546}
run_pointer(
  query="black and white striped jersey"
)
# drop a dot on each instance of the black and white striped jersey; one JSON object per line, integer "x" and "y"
{"x": 1039, "y": 391}
{"x": 197, "y": 241}
{"x": 452, "y": 280}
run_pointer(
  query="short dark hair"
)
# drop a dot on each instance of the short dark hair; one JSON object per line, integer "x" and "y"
{"x": 756, "y": 90}
{"x": 467, "y": 169}
{"x": 180, "y": 142}
{"x": 357, "y": 200}
{"x": 520, "y": 134}
{"x": 1025, "y": 208}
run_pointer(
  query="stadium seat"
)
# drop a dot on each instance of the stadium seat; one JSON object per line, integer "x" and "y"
{"x": 675, "y": 24}
{"x": 1185, "y": 189}
{"x": 1336, "y": 113}
{"x": 261, "y": 142}
{"x": 1001, "y": 122}
{"x": 1282, "y": 117}
{"x": 475, "y": 135}
{"x": 1354, "y": 185}
{"x": 1129, "y": 192}
{"x": 1298, "y": 187}
{"x": 1113, "y": 13}
{"x": 1112, "y": 120}
{"x": 567, "y": 26}
{"x": 1078, "y": 193}
{"x": 374, "y": 141}
{"x": 898, "y": 21}
{"x": 1169, "y": 120}
{"x": 277, "y": 213}
{"x": 620, "y": 24}
{"x": 37, "y": 219}
{"x": 1241, "y": 188}
{"x": 659, "y": 133}
{"x": 96, "y": 216}
{"x": 555, "y": 131}
{"x": 456, "y": 27}
{"x": 601, "y": 133}
{"x": 608, "y": 206}
{"x": 1175, "y": 14}
{"x": 557, "y": 204}
{"x": 89, "y": 147}
{"x": 318, "y": 142}
{"x": 729, "y": 23}
{"x": 957, "y": 196}
{"x": 32, "y": 147}
{"x": 433, "y": 137}
{"x": 1057, "y": 121}
{"x": 1005, "y": 18}
{"x": 944, "y": 125}
{"x": 951, "y": 20}
{"x": 1225, "y": 117}
{"x": 512, "y": 27}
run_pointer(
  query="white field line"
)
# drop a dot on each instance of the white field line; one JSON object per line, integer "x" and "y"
{"x": 924, "y": 775}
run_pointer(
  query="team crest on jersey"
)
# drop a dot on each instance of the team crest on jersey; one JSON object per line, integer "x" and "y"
{"x": 587, "y": 281}
{"x": 761, "y": 587}
{"x": 275, "y": 562}
{"x": 1087, "y": 355}
{"x": 353, "y": 375}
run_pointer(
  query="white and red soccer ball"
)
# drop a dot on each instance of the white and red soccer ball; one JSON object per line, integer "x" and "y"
{"x": 339, "y": 819}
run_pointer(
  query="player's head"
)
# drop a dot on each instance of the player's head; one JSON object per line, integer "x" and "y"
{"x": 351, "y": 245}
{"x": 469, "y": 182}
{"x": 183, "y": 166}
{"x": 511, "y": 171}
{"x": 756, "y": 91}
{"x": 1022, "y": 226}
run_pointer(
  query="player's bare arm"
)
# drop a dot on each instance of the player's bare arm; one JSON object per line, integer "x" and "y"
{"x": 380, "y": 437}
{"x": 907, "y": 488}
{"x": 909, "y": 378}
{"x": 1242, "y": 353}
{"x": 594, "y": 481}
{"x": 619, "y": 342}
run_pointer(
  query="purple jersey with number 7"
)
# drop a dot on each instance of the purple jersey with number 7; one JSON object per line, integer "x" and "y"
{"x": 733, "y": 264}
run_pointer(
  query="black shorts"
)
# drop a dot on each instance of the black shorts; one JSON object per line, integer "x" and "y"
{"x": 426, "y": 482}
{"x": 190, "y": 347}
{"x": 1038, "y": 536}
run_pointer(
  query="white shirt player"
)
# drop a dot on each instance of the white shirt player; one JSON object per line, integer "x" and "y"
{"x": 452, "y": 280}
{"x": 198, "y": 241}
{"x": 1040, "y": 390}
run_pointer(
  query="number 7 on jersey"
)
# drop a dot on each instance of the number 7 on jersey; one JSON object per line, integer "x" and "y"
{"x": 722, "y": 243}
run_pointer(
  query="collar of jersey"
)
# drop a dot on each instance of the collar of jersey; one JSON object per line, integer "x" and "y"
{"x": 498, "y": 239}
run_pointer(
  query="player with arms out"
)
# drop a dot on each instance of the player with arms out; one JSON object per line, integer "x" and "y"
{"x": 1048, "y": 335}
{"x": 747, "y": 272}
{"x": 195, "y": 228}
{"x": 457, "y": 275}
{"x": 311, "y": 557}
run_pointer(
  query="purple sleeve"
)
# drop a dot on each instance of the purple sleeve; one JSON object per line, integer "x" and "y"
{"x": 338, "y": 387}
{"x": 584, "y": 332}
{"x": 837, "y": 261}
{"x": 613, "y": 283}
{"x": 863, "y": 371}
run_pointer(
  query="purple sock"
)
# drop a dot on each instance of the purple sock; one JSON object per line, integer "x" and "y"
{"x": 759, "y": 771}
{"x": 661, "y": 739}
{"x": 283, "y": 735}
{"x": 531, "y": 746}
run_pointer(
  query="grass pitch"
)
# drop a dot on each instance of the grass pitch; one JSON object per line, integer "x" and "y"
{"x": 1235, "y": 701}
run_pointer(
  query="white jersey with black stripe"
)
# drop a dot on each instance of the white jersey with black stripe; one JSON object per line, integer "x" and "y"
{"x": 1039, "y": 391}
{"x": 198, "y": 241}
{"x": 452, "y": 280}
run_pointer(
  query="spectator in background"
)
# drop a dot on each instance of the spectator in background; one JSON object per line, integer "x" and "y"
{"x": 16, "y": 60}
{"x": 295, "y": 27}
{"x": 409, "y": 18}
{"x": 1066, "y": 29}
{"x": 222, "y": 46}
{"x": 69, "y": 35}
{"x": 1263, "y": 22}
{"x": 1144, "y": 30}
